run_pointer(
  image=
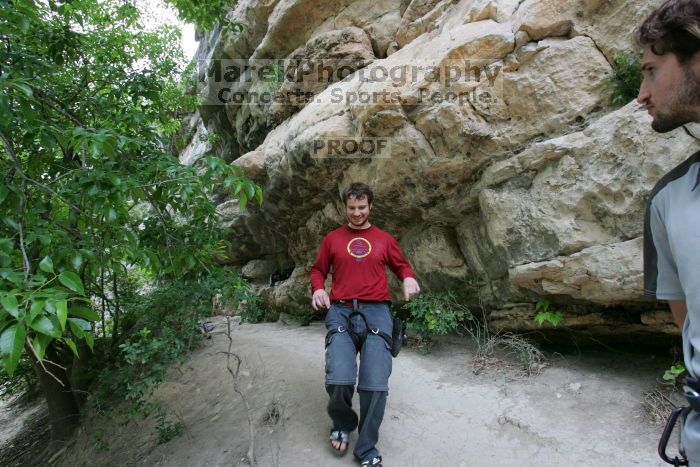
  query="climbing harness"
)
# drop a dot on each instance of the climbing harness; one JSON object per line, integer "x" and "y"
{"x": 358, "y": 336}
{"x": 691, "y": 391}
{"x": 398, "y": 336}
{"x": 668, "y": 429}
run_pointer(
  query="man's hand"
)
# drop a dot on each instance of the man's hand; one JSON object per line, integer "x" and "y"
{"x": 320, "y": 300}
{"x": 410, "y": 288}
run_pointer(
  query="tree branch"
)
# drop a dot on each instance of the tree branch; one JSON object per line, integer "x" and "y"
{"x": 65, "y": 174}
{"x": 168, "y": 236}
{"x": 41, "y": 362}
{"x": 163, "y": 182}
{"x": 25, "y": 259}
{"x": 10, "y": 152}
{"x": 55, "y": 364}
{"x": 44, "y": 99}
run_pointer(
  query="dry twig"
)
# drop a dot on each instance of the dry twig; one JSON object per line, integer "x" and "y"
{"x": 237, "y": 390}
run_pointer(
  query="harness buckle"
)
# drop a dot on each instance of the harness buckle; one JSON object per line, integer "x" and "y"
{"x": 341, "y": 329}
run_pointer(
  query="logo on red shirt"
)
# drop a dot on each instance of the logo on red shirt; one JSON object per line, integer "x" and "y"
{"x": 359, "y": 247}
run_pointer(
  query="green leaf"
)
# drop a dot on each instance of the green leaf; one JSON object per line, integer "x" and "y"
{"x": 3, "y": 193}
{"x": 27, "y": 90}
{"x": 674, "y": 372}
{"x": 62, "y": 313}
{"x": 5, "y": 259}
{"x": 6, "y": 245}
{"x": 24, "y": 24}
{"x": 39, "y": 278}
{"x": 41, "y": 343}
{"x": 84, "y": 312}
{"x": 36, "y": 308}
{"x": 5, "y": 320}
{"x": 553, "y": 318}
{"x": 72, "y": 345}
{"x": 45, "y": 326}
{"x": 72, "y": 281}
{"x": 111, "y": 215}
{"x": 76, "y": 330}
{"x": 89, "y": 253}
{"x": 15, "y": 277}
{"x": 250, "y": 190}
{"x": 76, "y": 261}
{"x": 11, "y": 345}
{"x": 81, "y": 323}
{"x": 10, "y": 222}
{"x": 9, "y": 303}
{"x": 81, "y": 299}
{"x": 542, "y": 305}
{"x": 46, "y": 265}
{"x": 90, "y": 340}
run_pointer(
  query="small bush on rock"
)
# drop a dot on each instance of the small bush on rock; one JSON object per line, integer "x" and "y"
{"x": 624, "y": 81}
{"x": 435, "y": 313}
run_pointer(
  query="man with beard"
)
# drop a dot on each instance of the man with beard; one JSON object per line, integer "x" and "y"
{"x": 671, "y": 93}
{"x": 358, "y": 319}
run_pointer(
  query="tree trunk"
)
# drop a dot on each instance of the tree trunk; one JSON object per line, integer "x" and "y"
{"x": 80, "y": 378}
{"x": 117, "y": 310}
{"x": 63, "y": 410}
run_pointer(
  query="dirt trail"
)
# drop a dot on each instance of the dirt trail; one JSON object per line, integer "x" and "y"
{"x": 581, "y": 411}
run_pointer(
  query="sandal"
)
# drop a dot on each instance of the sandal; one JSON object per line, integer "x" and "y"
{"x": 342, "y": 437}
{"x": 374, "y": 462}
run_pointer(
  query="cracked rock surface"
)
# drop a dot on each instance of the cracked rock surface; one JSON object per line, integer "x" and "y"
{"x": 502, "y": 167}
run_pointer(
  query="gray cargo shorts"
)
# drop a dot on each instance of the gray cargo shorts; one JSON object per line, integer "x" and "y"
{"x": 690, "y": 438}
{"x": 375, "y": 354}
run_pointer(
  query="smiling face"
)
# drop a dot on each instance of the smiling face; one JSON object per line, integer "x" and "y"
{"x": 357, "y": 212}
{"x": 670, "y": 90}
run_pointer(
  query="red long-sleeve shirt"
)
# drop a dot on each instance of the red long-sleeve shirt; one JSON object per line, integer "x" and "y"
{"x": 358, "y": 258}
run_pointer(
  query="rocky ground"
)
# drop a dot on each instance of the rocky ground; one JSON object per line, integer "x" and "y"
{"x": 585, "y": 409}
{"x": 24, "y": 430}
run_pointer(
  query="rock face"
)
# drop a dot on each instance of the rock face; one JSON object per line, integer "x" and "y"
{"x": 493, "y": 153}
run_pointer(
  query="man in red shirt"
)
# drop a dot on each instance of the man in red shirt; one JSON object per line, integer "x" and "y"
{"x": 358, "y": 316}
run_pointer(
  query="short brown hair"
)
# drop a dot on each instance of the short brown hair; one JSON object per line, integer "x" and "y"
{"x": 358, "y": 191}
{"x": 673, "y": 27}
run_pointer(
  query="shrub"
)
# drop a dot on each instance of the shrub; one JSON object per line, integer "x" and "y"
{"x": 237, "y": 292}
{"x": 305, "y": 317}
{"x": 497, "y": 349}
{"x": 623, "y": 83}
{"x": 161, "y": 327}
{"x": 435, "y": 313}
{"x": 545, "y": 315}
{"x": 675, "y": 373}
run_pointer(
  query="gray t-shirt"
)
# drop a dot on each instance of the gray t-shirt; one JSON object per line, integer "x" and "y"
{"x": 672, "y": 249}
